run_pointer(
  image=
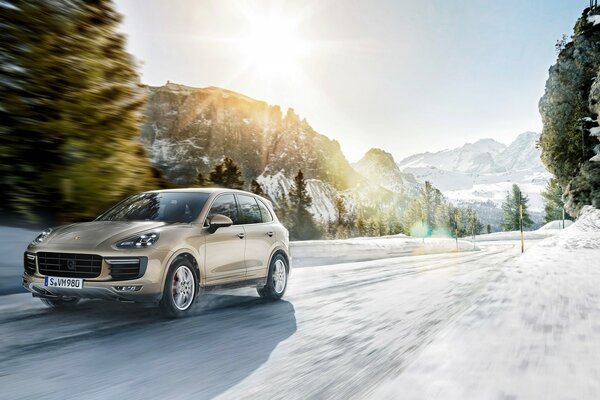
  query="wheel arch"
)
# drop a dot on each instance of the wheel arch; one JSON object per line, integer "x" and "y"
{"x": 285, "y": 256}
{"x": 185, "y": 254}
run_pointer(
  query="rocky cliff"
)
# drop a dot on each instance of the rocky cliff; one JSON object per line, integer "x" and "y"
{"x": 569, "y": 109}
{"x": 187, "y": 130}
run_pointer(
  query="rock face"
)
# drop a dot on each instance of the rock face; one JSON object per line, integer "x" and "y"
{"x": 187, "y": 130}
{"x": 569, "y": 110}
{"x": 379, "y": 167}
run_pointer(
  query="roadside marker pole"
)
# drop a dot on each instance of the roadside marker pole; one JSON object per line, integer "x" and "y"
{"x": 521, "y": 224}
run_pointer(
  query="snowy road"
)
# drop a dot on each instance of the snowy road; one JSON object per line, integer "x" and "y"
{"x": 341, "y": 331}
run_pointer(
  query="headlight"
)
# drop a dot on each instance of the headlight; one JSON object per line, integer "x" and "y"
{"x": 42, "y": 236}
{"x": 137, "y": 242}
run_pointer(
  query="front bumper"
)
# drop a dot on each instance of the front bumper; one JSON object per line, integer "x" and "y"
{"x": 147, "y": 288}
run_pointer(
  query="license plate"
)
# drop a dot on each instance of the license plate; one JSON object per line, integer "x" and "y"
{"x": 70, "y": 283}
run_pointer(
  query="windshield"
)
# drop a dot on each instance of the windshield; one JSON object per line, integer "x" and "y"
{"x": 163, "y": 206}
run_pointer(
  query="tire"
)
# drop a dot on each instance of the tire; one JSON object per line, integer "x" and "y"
{"x": 178, "y": 298}
{"x": 61, "y": 303}
{"x": 277, "y": 279}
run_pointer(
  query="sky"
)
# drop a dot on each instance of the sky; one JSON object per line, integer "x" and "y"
{"x": 406, "y": 76}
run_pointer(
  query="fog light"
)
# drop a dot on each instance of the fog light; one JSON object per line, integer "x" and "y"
{"x": 127, "y": 288}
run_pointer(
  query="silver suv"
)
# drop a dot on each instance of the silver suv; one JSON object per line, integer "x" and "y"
{"x": 163, "y": 247}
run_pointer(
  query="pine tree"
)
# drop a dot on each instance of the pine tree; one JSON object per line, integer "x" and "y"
{"x": 429, "y": 198}
{"x": 341, "y": 211}
{"x": 511, "y": 210}
{"x": 256, "y": 188}
{"x": 283, "y": 210}
{"x": 473, "y": 226}
{"x": 554, "y": 205}
{"x": 361, "y": 224}
{"x": 456, "y": 222}
{"x": 200, "y": 181}
{"x": 226, "y": 174}
{"x": 70, "y": 105}
{"x": 303, "y": 225}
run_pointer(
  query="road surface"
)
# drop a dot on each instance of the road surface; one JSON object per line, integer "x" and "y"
{"x": 340, "y": 331}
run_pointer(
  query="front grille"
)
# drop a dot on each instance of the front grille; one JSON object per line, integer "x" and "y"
{"x": 126, "y": 268}
{"x": 69, "y": 265}
{"x": 29, "y": 263}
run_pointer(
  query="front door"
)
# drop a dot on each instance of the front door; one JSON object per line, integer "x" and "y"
{"x": 225, "y": 248}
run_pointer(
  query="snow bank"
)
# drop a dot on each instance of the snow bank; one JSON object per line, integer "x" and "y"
{"x": 556, "y": 225}
{"x": 550, "y": 229}
{"x": 323, "y": 252}
{"x": 533, "y": 333}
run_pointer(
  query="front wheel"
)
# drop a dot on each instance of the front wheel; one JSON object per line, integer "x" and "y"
{"x": 180, "y": 290}
{"x": 277, "y": 279}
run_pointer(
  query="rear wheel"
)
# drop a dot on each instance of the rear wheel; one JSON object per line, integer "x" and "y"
{"x": 180, "y": 289}
{"x": 277, "y": 279}
{"x": 61, "y": 302}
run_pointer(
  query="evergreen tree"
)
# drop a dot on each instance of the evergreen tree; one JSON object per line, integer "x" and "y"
{"x": 256, "y": 188}
{"x": 511, "y": 209}
{"x": 429, "y": 198}
{"x": 226, "y": 174}
{"x": 361, "y": 224}
{"x": 200, "y": 181}
{"x": 455, "y": 222}
{"x": 473, "y": 226}
{"x": 341, "y": 211}
{"x": 303, "y": 224}
{"x": 70, "y": 105}
{"x": 554, "y": 205}
{"x": 283, "y": 210}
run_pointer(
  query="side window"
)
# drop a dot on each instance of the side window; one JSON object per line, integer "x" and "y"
{"x": 249, "y": 209}
{"x": 225, "y": 205}
{"x": 264, "y": 212}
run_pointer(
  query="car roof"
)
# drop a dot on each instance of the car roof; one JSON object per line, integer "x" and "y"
{"x": 210, "y": 190}
{"x": 198, "y": 190}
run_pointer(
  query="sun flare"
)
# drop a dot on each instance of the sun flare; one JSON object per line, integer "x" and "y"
{"x": 273, "y": 48}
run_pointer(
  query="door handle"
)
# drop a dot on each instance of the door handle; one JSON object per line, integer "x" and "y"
{"x": 270, "y": 234}
{"x": 240, "y": 235}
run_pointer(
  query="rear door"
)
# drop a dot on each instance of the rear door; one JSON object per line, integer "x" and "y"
{"x": 225, "y": 248}
{"x": 260, "y": 236}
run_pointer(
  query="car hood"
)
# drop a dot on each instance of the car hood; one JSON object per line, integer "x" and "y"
{"x": 96, "y": 232}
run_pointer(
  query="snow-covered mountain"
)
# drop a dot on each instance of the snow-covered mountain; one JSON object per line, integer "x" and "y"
{"x": 522, "y": 154}
{"x": 480, "y": 174}
{"x": 478, "y": 157}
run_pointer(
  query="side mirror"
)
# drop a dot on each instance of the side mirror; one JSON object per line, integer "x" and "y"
{"x": 219, "y": 221}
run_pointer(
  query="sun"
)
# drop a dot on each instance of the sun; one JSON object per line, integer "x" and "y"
{"x": 273, "y": 47}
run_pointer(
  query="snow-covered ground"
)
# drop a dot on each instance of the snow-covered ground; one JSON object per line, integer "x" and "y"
{"x": 550, "y": 229}
{"x": 533, "y": 333}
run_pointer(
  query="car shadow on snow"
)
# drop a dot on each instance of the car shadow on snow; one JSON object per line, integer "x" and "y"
{"x": 224, "y": 340}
